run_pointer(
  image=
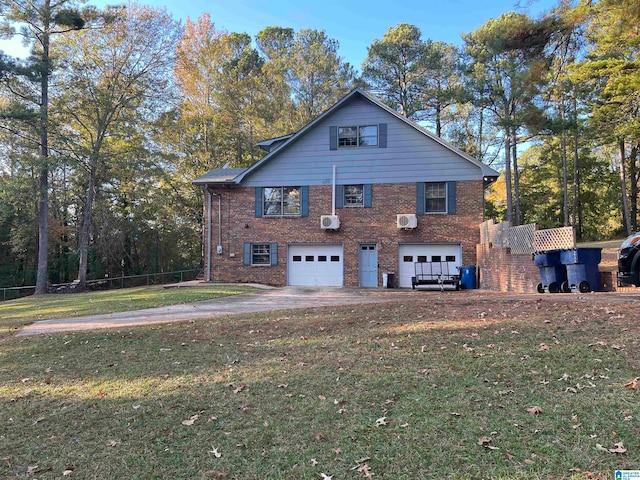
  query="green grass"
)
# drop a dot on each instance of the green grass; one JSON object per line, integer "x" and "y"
{"x": 15, "y": 313}
{"x": 296, "y": 394}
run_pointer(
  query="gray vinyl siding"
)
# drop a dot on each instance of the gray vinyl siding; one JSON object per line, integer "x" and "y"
{"x": 410, "y": 156}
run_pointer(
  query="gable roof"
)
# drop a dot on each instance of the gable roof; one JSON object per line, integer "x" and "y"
{"x": 488, "y": 173}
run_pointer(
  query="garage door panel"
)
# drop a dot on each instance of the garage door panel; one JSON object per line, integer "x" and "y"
{"x": 315, "y": 265}
{"x": 426, "y": 252}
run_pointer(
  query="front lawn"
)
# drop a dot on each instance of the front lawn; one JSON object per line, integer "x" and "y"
{"x": 437, "y": 386}
{"x": 26, "y": 310}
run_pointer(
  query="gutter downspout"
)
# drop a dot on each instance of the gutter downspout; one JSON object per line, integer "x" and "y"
{"x": 209, "y": 207}
{"x": 219, "y": 223}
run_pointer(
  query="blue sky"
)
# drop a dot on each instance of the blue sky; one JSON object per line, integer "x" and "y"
{"x": 355, "y": 23}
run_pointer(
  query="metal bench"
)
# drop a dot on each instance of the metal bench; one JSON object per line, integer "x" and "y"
{"x": 435, "y": 273}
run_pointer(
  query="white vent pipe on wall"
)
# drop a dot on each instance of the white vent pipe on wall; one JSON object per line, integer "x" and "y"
{"x": 333, "y": 193}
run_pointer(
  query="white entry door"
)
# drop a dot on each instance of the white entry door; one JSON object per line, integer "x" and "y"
{"x": 426, "y": 252}
{"x": 317, "y": 264}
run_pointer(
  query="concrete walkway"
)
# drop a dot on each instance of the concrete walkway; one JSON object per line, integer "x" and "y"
{"x": 265, "y": 300}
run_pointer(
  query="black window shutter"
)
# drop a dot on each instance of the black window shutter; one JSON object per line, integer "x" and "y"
{"x": 451, "y": 198}
{"x": 333, "y": 138}
{"x": 366, "y": 192}
{"x": 273, "y": 254}
{"x": 259, "y": 199}
{"x": 339, "y": 196}
{"x": 247, "y": 255}
{"x": 382, "y": 135}
{"x": 304, "y": 201}
{"x": 420, "y": 193}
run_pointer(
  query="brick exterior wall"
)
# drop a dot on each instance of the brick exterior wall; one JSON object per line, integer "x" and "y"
{"x": 501, "y": 271}
{"x": 357, "y": 225}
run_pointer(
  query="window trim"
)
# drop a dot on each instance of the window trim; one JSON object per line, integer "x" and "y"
{"x": 446, "y": 199}
{"x": 282, "y": 213}
{"x": 358, "y": 136}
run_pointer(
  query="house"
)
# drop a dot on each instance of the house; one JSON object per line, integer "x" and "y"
{"x": 358, "y": 192}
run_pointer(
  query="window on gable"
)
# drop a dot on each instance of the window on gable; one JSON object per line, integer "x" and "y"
{"x": 358, "y": 136}
{"x": 436, "y": 197}
{"x": 281, "y": 201}
{"x": 353, "y": 196}
{"x": 260, "y": 254}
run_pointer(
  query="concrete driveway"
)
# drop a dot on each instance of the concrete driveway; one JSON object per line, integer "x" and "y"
{"x": 261, "y": 301}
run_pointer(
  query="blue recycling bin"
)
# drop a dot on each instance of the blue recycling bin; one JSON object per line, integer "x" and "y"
{"x": 468, "y": 277}
{"x": 553, "y": 274}
{"x": 582, "y": 268}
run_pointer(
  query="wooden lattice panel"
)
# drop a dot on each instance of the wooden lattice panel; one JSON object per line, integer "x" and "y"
{"x": 554, "y": 238}
{"x": 521, "y": 238}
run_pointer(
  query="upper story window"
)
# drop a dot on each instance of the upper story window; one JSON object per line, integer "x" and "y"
{"x": 353, "y": 196}
{"x": 436, "y": 197}
{"x": 281, "y": 201}
{"x": 358, "y": 136}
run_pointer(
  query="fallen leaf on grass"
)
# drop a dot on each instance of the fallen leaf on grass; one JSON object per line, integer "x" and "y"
{"x": 337, "y": 451}
{"x": 324, "y": 476}
{"x": 216, "y": 474}
{"x": 632, "y": 384}
{"x": 68, "y": 471}
{"x": 482, "y": 441}
{"x": 113, "y": 443}
{"x": 529, "y": 462}
{"x": 535, "y": 410}
{"x": 240, "y": 388}
{"x": 543, "y": 347}
{"x": 381, "y": 422}
{"x": 314, "y": 462}
{"x": 34, "y": 469}
{"x": 365, "y": 469}
{"x": 191, "y": 420}
{"x": 215, "y": 452}
{"x": 618, "y": 448}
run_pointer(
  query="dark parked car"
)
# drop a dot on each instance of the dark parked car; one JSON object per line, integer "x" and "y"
{"x": 629, "y": 260}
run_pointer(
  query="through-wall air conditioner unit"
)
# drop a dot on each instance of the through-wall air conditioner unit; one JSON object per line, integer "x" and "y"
{"x": 407, "y": 220}
{"x": 329, "y": 222}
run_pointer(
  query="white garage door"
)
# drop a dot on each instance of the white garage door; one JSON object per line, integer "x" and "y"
{"x": 427, "y": 252}
{"x": 315, "y": 265}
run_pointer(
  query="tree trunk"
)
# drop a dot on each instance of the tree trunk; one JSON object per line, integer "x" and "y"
{"x": 576, "y": 170}
{"x": 43, "y": 184}
{"x": 565, "y": 180}
{"x": 85, "y": 236}
{"x": 439, "y": 120}
{"x": 633, "y": 191}
{"x": 507, "y": 172}
{"x": 516, "y": 176}
{"x": 623, "y": 186}
{"x": 576, "y": 184}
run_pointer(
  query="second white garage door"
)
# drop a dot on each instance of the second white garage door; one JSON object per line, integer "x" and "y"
{"x": 320, "y": 265}
{"x": 426, "y": 252}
